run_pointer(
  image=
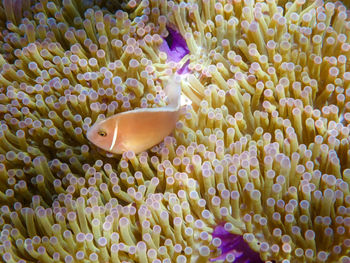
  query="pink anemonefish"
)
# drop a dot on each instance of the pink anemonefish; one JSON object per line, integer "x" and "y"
{"x": 140, "y": 129}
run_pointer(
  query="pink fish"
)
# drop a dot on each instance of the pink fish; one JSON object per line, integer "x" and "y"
{"x": 140, "y": 129}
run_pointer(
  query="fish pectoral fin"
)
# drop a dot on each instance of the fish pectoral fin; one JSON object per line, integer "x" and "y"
{"x": 122, "y": 147}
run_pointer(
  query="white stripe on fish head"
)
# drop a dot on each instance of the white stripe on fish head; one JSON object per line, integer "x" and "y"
{"x": 114, "y": 136}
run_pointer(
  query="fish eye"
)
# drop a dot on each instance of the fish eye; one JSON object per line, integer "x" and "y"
{"x": 102, "y": 133}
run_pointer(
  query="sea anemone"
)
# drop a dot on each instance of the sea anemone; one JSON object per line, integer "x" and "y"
{"x": 258, "y": 167}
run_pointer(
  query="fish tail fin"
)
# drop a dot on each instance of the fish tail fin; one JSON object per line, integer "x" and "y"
{"x": 173, "y": 91}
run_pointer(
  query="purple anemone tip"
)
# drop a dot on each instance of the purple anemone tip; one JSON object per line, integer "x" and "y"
{"x": 233, "y": 246}
{"x": 174, "y": 45}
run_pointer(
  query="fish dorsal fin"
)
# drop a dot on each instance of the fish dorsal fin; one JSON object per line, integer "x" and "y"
{"x": 173, "y": 91}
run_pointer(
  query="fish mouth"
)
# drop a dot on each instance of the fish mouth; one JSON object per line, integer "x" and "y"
{"x": 90, "y": 132}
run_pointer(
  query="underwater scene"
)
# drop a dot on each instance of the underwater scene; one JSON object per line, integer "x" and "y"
{"x": 185, "y": 131}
